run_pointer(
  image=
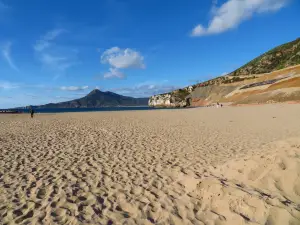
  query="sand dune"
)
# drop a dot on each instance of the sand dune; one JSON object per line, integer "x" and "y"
{"x": 235, "y": 165}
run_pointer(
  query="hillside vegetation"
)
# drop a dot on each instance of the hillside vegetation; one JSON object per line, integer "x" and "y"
{"x": 281, "y": 57}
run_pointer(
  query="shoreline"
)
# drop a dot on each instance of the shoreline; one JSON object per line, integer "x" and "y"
{"x": 144, "y": 108}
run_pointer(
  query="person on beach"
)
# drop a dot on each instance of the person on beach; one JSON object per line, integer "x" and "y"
{"x": 31, "y": 112}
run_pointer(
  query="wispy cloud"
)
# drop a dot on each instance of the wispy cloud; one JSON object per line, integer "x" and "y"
{"x": 62, "y": 97}
{"x": 3, "y": 6}
{"x": 53, "y": 56}
{"x": 214, "y": 6}
{"x": 5, "y": 12}
{"x": 33, "y": 96}
{"x": 6, "y": 52}
{"x": 6, "y": 85}
{"x": 42, "y": 86}
{"x": 58, "y": 62}
{"x": 233, "y": 12}
{"x": 118, "y": 58}
{"x": 46, "y": 40}
{"x": 73, "y": 88}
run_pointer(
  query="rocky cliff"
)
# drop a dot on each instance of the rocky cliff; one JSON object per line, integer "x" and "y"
{"x": 177, "y": 98}
{"x": 271, "y": 67}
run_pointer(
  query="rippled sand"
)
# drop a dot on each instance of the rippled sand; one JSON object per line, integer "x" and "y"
{"x": 235, "y": 165}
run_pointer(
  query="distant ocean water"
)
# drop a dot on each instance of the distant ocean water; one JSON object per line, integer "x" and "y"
{"x": 104, "y": 109}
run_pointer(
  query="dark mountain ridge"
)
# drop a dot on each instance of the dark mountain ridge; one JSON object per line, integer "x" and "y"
{"x": 97, "y": 99}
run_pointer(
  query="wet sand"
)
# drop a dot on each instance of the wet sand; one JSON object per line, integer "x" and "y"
{"x": 231, "y": 165}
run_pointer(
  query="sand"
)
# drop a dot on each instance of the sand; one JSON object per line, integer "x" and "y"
{"x": 231, "y": 165}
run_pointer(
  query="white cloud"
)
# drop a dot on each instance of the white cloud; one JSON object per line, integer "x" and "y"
{"x": 73, "y": 88}
{"x": 6, "y": 52}
{"x": 233, "y": 12}
{"x": 199, "y": 30}
{"x": 112, "y": 51}
{"x": 123, "y": 58}
{"x": 113, "y": 73}
{"x": 118, "y": 58}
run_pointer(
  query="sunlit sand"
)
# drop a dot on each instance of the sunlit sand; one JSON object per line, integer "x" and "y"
{"x": 231, "y": 165}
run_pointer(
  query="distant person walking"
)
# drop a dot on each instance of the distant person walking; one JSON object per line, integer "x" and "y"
{"x": 31, "y": 112}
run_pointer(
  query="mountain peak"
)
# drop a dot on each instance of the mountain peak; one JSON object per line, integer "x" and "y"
{"x": 97, "y": 99}
{"x": 95, "y": 91}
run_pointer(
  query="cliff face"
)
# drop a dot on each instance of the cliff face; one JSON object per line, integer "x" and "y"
{"x": 202, "y": 96}
{"x": 166, "y": 100}
{"x": 177, "y": 98}
{"x": 264, "y": 70}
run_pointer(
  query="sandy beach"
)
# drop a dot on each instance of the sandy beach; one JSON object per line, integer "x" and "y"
{"x": 231, "y": 165}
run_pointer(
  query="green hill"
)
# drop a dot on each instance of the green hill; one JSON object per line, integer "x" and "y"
{"x": 281, "y": 57}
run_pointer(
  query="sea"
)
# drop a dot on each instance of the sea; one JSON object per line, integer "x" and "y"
{"x": 104, "y": 109}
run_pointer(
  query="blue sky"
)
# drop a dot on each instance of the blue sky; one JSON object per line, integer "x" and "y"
{"x": 54, "y": 51}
